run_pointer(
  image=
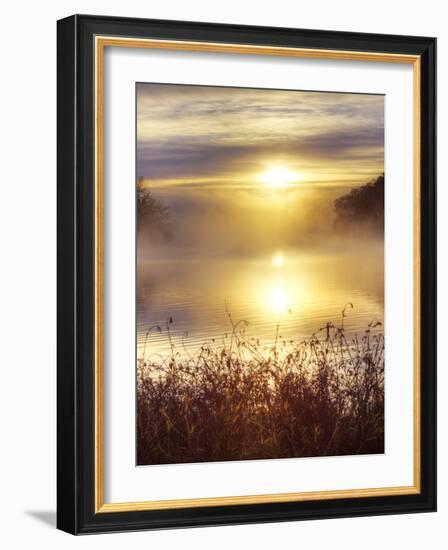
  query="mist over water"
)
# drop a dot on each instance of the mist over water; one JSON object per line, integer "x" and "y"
{"x": 268, "y": 258}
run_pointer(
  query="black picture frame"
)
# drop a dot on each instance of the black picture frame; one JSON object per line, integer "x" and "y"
{"x": 76, "y": 272}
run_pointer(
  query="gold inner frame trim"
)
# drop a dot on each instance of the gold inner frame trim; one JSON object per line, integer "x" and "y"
{"x": 101, "y": 42}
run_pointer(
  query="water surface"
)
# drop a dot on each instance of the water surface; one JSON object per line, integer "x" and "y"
{"x": 298, "y": 291}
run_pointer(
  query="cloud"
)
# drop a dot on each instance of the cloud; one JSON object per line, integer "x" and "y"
{"x": 196, "y": 132}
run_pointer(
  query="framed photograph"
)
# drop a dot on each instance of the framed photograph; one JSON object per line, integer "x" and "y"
{"x": 246, "y": 274}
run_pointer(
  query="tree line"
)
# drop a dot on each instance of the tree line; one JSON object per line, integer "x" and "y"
{"x": 362, "y": 208}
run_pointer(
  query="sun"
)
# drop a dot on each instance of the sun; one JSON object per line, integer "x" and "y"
{"x": 278, "y": 177}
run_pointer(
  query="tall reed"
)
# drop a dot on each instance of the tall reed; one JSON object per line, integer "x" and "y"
{"x": 238, "y": 400}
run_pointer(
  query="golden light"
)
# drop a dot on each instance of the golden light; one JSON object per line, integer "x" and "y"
{"x": 278, "y": 299}
{"x": 278, "y": 260}
{"x": 280, "y": 292}
{"x": 278, "y": 177}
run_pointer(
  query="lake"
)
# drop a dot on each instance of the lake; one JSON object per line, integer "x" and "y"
{"x": 300, "y": 291}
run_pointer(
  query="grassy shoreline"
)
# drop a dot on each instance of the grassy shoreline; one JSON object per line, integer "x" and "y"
{"x": 323, "y": 396}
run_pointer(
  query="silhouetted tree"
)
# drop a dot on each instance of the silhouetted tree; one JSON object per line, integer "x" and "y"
{"x": 362, "y": 208}
{"x": 152, "y": 215}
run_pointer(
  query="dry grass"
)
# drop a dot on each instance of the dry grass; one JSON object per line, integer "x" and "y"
{"x": 318, "y": 397}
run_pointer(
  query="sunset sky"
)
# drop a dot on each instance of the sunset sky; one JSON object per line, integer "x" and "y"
{"x": 253, "y": 169}
{"x": 236, "y": 137}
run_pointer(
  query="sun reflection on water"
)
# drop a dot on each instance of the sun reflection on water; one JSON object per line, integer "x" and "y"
{"x": 278, "y": 260}
{"x": 278, "y": 300}
{"x": 282, "y": 289}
